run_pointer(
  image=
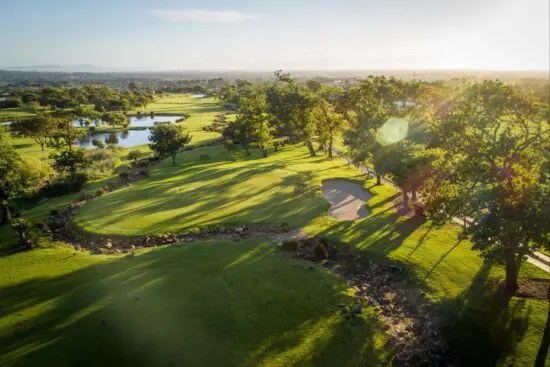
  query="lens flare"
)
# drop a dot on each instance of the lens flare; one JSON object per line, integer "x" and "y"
{"x": 393, "y": 131}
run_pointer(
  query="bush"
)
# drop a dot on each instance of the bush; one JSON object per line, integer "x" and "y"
{"x": 98, "y": 143}
{"x": 124, "y": 176}
{"x": 289, "y": 245}
{"x": 26, "y": 234}
{"x": 63, "y": 187}
{"x": 145, "y": 172}
{"x": 134, "y": 155}
{"x": 123, "y": 168}
{"x": 300, "y": 188}
{"x": 321, "y": 251}
{"x": 100, "y": 192}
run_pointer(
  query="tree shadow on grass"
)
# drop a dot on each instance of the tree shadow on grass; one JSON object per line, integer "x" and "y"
{"x": 542, "y": 354}
{"x": 223, "y": 303}
{"x": 482, "y": 325}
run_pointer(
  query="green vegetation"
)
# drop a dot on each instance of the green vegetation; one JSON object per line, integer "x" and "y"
{"x": 175, "y": 306}
{"x": 483, "y": 158}
{"x": 232, "y": 190}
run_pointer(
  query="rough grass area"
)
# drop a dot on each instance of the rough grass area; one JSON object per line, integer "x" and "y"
{"x": 205, "y": 304}
{"x": 225, "y": 189}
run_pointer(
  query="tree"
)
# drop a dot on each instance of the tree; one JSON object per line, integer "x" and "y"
{"x": 134, "y": 155}
{"x": 39, "y": 129}
{"x": 407, "y": 163}
{"x": 251, "y": 124}
{"x": 12, "y": 180}
{"x": 168, "y": 140}
{"x": 329, "y": 123}
{"x": 70, "y": 161}
{"x": 115, "y": 118}
{"x": 496, "y": 141}
{"x": 291, "y": 106}
{"x": 112, "y": 140}
{"x": 98, "y": 144}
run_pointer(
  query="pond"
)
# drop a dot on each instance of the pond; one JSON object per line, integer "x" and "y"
{"x": 129, "y": 138}
{"x": 126, "y": 139}
{"x": 143, "y": 120}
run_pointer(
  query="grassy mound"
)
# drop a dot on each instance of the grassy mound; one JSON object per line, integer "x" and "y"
{"x": 204, "y": 304}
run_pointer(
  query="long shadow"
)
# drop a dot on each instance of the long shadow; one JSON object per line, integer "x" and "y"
{"x": 481, "y": 324}
{"x": 542, "y": 354}
{"x": 175, "y": 306}
{"x": 442, "y": 258}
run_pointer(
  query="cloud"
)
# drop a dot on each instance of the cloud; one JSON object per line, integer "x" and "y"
{"x": 203, "y": 16}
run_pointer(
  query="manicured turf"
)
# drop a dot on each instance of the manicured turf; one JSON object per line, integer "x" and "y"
{"x": 261, "y": 190}
{"x": 204, "y": 304}
{"x": 201, "y": 112}
{"x": 223, "y": 189}
{"x": 187, "y": 307}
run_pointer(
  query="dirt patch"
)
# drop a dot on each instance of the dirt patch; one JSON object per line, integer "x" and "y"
{"x": 348, "y": 199}
{"x": 534, "y": 288}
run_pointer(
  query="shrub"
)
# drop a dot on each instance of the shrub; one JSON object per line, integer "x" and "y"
{"x": 321, "y": 251}
{"x": 82, "y": 195}
{"x": 123, "y": 168}
{"x": 300, "y": 188}
{"x": 289, "y": 245}
{"x": 145, "y": 172}
{"x": 124, "y": 176}
{"x": 111, "y": 185}
{"x": 100, "y": 192}
{"x": 134, "y": 155}
{"x": 91, "y": 129}
{"x": 26, "y": 234}
{"x": 62, "y": 187}
{"x": 98, "y": 143}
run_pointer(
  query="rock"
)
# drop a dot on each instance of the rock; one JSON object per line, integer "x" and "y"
{"x": 108, "y": 245}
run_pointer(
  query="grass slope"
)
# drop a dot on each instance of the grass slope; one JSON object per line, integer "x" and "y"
{"x": 483, "y": 328}
{"x": 222, "y": 190}
{"x": 201, "y": 112}
{"x": 205, "y": 304}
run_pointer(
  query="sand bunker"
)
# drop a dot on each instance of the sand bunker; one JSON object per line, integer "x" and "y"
{"x": 347, "y": 199}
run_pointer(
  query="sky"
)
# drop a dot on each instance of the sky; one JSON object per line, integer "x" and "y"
{"x": 279, "y": 34}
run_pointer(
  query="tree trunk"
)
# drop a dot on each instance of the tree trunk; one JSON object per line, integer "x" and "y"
{"x": 405, "y": 201}
{"x": 330, "y": 145}
{"x": 413, "y": 195}
{"x": 311, "y": 149}
{"x": 378, "y": 179}
{"x": 42, "y": 145}
{"x": 6, "y": 217}
{"x": 512, "y": 269}
{"x": 174, "y": 160}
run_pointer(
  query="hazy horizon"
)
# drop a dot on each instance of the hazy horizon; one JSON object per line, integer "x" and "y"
{"x": 246, "y": 35}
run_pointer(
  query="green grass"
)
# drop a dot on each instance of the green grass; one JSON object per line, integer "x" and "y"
{"x": 254, "y": 190}
{"x": 204, "y": 304}
{"x": 201, "y": 112}
{"x": 187, "y": 291}
{"x": 223, "y": 190}
{"x": 7, "y": 114}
